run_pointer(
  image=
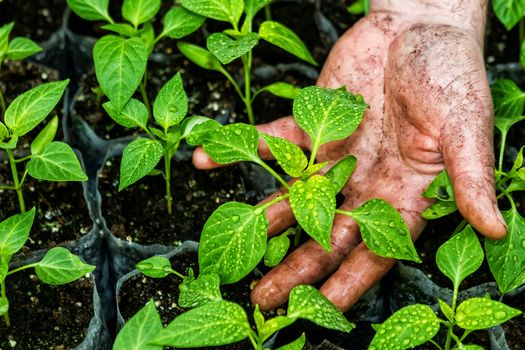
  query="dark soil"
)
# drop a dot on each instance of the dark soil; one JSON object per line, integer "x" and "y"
{"x": 36, "y": 19}
{"x": 138, "y": 290}
{"x": 61, "y": 213}
{"x": 46, "y": 317}
{"x": 139, "y": 212}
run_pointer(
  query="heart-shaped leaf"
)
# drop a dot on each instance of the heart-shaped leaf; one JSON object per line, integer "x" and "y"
{"x": 134, "y": 114}
{"x": 290, "y": 157}
{"x": 227, "y": 49}
{"x": 59, "y": 266}
{"x": 14, "y": 232}
{"x": 171, "y": 104}
{"x": 20, "y": 48}
{"x": 140, "y": 330}
{"x": 57, "y": 162}
{"x": 179, "y": 22}
{"x": 140, "y": 11}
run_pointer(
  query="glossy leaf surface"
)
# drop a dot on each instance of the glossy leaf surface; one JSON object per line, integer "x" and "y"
{"x": 140, "y": 330}
{"x": 20, "y": 48}
{"x": 14, "y": 232}
{"x": 138, "y": 159}
{"x": 92, "y": 10}
{"x": 341, "y": 172}
{"x": 384, "y": 231}
{"x": 227, "y": 49}
{"x": 200, "y": 56}
{"x": 140, "y": 11}
{"x": 133, "y": 115}
{"x": 171, "y": 104}
{"x": 179, "y": 22}
{"x": 482, "y": 313}
{"x": 221, "y": 10}
{"x": 233, "y": 143}
{"x": 276, "y": 250}
{"x": 57, "y": 162}
{"x": 155, "y": 267}
{"x": 297, "y": 344}
{"x": 509, "y": 12}
{"x": 45, "y": 136}
{"x": 197, "y": 292}
{"x": 59, "y": 266}
{"x": 290, "y": 157}
{"x": 233, "y": 241}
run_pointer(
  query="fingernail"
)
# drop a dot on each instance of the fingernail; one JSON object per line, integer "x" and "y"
{"x": 499, "y": 216}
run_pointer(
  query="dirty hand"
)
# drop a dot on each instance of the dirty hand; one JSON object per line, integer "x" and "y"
{"x": 419, "y": 66}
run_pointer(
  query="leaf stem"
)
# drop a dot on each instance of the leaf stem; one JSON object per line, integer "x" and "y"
{"x": 177, "y": 274}
{"x": 2, "y": 101}
{"x": 502, "y": 151}
{"x": 460, "y": 227}
{"x": 271, "y": 171}
{"x": 4, "y": 296}
{"x": 25, "y": 267}
{"x": 343, "y": 212}
{"x": 23, "y": 159}
{"x": 255, "y": 340}
{"x": 18, "y": 186}
{"x": 144, "y": 94}
{"x": 277, "y": 199}
{"x": 451, "y": 324}
{"x": 435, "y": 344}
{"x": 247, "y": 67}
{"x": 268, "y": 12}
{"x": 167, "y": 177}
{"x": 313, "y": 154}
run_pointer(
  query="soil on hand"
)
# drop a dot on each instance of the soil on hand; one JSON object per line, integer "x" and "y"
{"x": 46, "y": 317}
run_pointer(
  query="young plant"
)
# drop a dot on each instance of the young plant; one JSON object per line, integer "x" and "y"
{"x": 49, "y": 160}
{"x": 142, "y": 155}
{"x": 213, "y": 321}
{"x": 57, "y": 267}
{"x": 233, "y": 240}
{"x": 17, "y": 49}
{"x": 121, "y": 60}
{"x": 239, "y": 41}
{"x": 416, "y": 324}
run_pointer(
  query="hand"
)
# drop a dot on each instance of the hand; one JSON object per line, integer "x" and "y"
{"x": 430, "y": 109}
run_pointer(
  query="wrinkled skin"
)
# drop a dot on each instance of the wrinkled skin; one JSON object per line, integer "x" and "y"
{"x": 430, "y": 109}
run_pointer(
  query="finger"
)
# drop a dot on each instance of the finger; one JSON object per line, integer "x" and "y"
{"x": 362, "y": 269}
{"x": 285, "y": 128}
{"x": 306, "y": 265}
{"x": 469, "y": 160}
{"x": 202, "y": 161}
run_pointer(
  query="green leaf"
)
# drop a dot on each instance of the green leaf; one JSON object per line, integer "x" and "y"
{"x": 384, "y": 231}
{"x": 134, "y": 114}
{"x": 290, "y": 157}
{"x": 273, "y": 325}
{"x": 4, "y": 266}
{"x": 155, "y": 267}
{"x": 251, "y": 7}
{"x": 171, "y": 104}
{"x": 297, "y": 344}
{"x": 121, "y": 28}
{"x": 506, "y": 257}
{"x": 233, "y": 143}
{"x": 45, "y": 136}
{"x": 195, "y": 293}
{"x": 357, "y": 7}
{"x": 3, "y": 131}
{"x": 233, "y": 241}
{"x": 276, "y": 250}
{"x": 140, "y": 330}
{"x": 482, "y": 313}
{"x": 59, "y": 266}
{"x": 327, "y": 114}
{"x": 407, "y": 328}
{"x": 33, "y": 106}
{"x": 147, "y": 34}
{"x": 341, "y": 172}
{"x": 446, "y": 309}
{"x": 14, "y": 232}
{"x": 9, "y": 142}
{"x": 518, "y": 163}
{"x": 20, "y": 48}
{"x": 200, "y": 56}
{"x": 220, "y": 10}
{"x": 227, "y": 49}
{"x": 313, "y": 205}
{"x": 308, "y": 303}
{"x": 439, "y": 209}
{"x": 92, "y": 10}
{"x": 5, "y": 30}
{"x": 283, "y": 37}
{"x": 313, "y": 169}
{"x": 440, "y": 188}
{"x": 179, "y": 22}
{"x": 509, "y": 101}
{"x": 195, "y": 129}
{"x": 469, "y": 347}
{"x": 460, "y": 256}
{"x": 120, "y": 65}
{"x": 140, "y": 11}
{"x": 213, "y": 324}
{"x": 509, "y": 12}
{"x": 138, "y": 159}
{"x": 281, "y": 89}
{"x": 4, "y": 306}
{"x": 57, "y": 162}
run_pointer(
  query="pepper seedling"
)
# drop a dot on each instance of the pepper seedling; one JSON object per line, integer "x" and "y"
{"x": 457, "y": 259}
{"x": 238, "y": 42}
{"x": 213, "y": 321}
{"x": 121, "y": 58}
{"x": 58, "y": 266}
{"x": 233, "y": 239}
{"x": 49, "y": 160}
{"x": 17, "y": 49}
{"x": 142, "y": 155}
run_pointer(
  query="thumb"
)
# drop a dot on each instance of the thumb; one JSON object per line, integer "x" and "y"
{"x": 467, "y": 144}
